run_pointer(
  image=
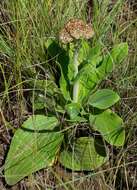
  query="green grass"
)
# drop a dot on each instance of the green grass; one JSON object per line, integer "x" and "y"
{"x": 24, "y": 30}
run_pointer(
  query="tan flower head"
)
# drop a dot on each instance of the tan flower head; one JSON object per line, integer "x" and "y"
{"x": 75, "y": 29}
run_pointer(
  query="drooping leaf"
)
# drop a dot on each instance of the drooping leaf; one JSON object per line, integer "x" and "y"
{"x": 33, "y": 147}
{"x": 103, "y": 99}
{"x": 87, "y": 153}
{"x": 110, "y": 125}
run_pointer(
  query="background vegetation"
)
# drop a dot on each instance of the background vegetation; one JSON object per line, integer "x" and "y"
{"x": 25, "y": 27}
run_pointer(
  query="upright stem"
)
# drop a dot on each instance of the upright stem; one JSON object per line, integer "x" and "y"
{"x": 76, "y": 84}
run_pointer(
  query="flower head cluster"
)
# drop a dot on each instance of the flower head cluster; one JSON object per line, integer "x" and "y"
{"x": 75, "y": 29}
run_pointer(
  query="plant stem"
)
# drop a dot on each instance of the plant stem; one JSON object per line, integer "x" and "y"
{"x": 76, "y": 84}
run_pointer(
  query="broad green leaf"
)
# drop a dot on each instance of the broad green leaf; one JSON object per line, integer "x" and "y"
{"x": 83, "y": 93}
{"x": 73, "y": 109}
{"x": 103, "y": 99}
{"x": 84, "y": 56}
{"x": 33, "y": 147}
{"x": 115, "y": 57}
{"x": 62, "y": 58}
{"x": 110, "y": 125}
{"x": 89, "y": 72}
{"x": 83, "y": 51}
{"x": 53, "y": 48}
{"x": 95, "y": 51}
{"x": 87, "y": 52}
{"x": 96, "y": 70}
{"x": 119, "y": 52}
{"x": 87, "y": 153}
{"x": 88, "y": 77}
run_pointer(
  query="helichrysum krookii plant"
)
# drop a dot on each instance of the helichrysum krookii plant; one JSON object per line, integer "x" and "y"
{"x": 73, "y": 104}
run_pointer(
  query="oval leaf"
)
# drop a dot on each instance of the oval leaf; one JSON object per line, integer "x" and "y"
{"x": 103, "y": 99}
{"x": 110, "y": 125}
{"x": 33, "y": 147}
{"x": 88, "y": 153}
